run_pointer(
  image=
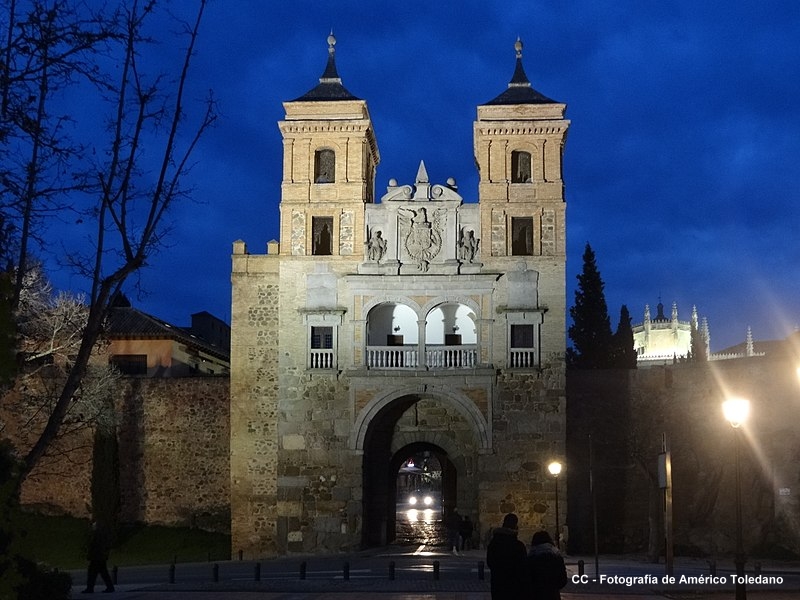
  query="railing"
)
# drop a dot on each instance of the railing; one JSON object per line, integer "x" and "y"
{"x": 436, "y": 357}
{"x": 392, "y": 357}
{"x": 322, "y": 359}
{"x": 451, "y": 357}
{"x": 522, "y": 359}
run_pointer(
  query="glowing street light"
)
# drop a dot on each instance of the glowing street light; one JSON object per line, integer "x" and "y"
{"x": 555, "y": 470}
{"x": 736, "y": 411}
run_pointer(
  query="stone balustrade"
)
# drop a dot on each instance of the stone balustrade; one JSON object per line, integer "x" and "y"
{"x": 436, "y": 357}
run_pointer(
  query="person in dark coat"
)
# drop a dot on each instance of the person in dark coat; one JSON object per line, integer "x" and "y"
{"x": 466, "y": 533}
{"x": 99, "y": 549}
{"x": 546, "y": 568}
{"x": 506, "y": 558}
{"x": 453, "y": 525}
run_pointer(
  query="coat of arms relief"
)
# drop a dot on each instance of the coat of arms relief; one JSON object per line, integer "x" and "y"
{"x": 422, "y": 233}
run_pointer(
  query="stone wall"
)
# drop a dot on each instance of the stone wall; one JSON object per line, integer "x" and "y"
{"x": 628, "y": 411}
{"x": 173, "y": 452}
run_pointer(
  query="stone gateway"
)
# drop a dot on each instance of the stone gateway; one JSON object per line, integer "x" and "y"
{"x": 376, "y": 329}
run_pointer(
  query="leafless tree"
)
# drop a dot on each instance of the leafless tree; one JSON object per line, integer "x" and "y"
{"x": 49, "y": 48}
{"x": 49, "y": 332}
{"x": 130, "y": 193}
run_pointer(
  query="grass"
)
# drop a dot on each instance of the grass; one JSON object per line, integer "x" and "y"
{"x": 61, "y": 542}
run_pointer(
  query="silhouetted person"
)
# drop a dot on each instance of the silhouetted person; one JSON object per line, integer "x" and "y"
{"x": 506, "y": 558}
{"x": 546, "y": 568}
{"x": 466, "y": 534}
{"x": 99, "y": 549}
{"x": 453, "y": 524}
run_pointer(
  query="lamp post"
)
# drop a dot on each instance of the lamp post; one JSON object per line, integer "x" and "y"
{"x": 555, "y": 470}
{"x": 736, "y": 411}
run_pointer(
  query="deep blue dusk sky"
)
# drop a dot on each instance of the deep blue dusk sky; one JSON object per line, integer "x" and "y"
{"x": 681, "y": 166}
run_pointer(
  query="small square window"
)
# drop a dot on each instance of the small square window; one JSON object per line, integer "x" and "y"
{"x": 322, "y": 338}
{"x": 522, "y": 336}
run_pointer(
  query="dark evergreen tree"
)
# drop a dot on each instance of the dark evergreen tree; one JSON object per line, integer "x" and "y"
{"x": 624, "y": 354}
{"x": 590, "y": 330}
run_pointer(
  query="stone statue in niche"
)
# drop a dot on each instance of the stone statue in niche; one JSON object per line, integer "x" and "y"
{"x": 424, "y": 239}
{"x": 376, "y": 246}
{"x": 468, "y": 246}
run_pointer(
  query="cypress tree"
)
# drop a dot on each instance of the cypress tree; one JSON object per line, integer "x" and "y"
{"x": 624, "y": 354}
{"x": 590, "y": 330}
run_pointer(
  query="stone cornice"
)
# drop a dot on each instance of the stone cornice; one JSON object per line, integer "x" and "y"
{"x": 522, "y": 130}
{"x": 324, "y": 127}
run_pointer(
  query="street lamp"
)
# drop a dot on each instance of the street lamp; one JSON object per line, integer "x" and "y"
{"x": 736, "y": 411}
{"x": 555, "y": 469}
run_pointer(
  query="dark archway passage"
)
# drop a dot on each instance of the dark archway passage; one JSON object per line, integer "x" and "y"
{"x": 421, "y": 426}
{"x": 417, "y": 520}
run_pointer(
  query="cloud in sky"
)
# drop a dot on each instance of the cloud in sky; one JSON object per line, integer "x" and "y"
{"x": 681, "y": 164}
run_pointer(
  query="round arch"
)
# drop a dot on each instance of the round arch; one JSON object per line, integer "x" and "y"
{"x": 426, "y": 308}
{"x": 463, "y": 404}
{"x": 378, "y": 300}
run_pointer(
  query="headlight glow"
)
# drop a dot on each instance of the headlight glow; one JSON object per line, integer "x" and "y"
{"x": 412, "y": 500}
{"x": 428, "y": 500}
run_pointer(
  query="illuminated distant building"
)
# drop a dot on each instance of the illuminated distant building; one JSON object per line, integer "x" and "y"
{"x": 662, "y": 339}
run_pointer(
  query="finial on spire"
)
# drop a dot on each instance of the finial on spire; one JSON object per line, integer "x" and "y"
{"x": 331, "y": 41}
{"x": 518, "y": 47}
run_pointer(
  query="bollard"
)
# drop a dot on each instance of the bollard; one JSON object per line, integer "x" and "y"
{"x": 114, "y": 574}
{"x": 391, "y": 570}
{"x": 241, "y": 554}
{"x": 581, "y": 567}
{"x": 172, "y": 573}
{"x": 712, "y": 565}
{"x": 258, "y": 572}
{"x": 346, "y": 571}
{"x": 303, "y": 570}
{"x": 215, "y": 573}
{"x": 481, "y": 574}
{"x": 436, "y": 570}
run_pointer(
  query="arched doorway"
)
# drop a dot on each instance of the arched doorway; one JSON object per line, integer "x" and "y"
{"x": 426, "y": 489}
{"x": 409, "y": 425}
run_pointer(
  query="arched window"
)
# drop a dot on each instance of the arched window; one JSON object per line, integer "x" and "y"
{"x": 324, "y": 166}
{"x": 520, "y": 167}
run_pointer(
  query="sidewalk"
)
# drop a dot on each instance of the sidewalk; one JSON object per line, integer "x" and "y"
{"x": 630, "y": 578}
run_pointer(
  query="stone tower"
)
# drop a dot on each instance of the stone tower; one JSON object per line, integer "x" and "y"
{"x": 419, "y": 324}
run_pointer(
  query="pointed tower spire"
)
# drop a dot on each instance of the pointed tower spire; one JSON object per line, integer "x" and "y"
{"x": 750, "y": 351}
{"x": 707, "y": 337}
{"x": 330, "y": 84}
{"x": 520, "y": 90}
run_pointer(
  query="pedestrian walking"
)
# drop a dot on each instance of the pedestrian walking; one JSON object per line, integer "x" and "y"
{"x": 546, "y": 568}
{"x": 453, "y": 525}
{"x": 98, "y": 551}
{"x": 506, "y": 558}
{"x": 466, "y": 533}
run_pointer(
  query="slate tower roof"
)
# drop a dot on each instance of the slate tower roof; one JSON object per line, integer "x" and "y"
{"x": 330, "y": 84}
{"x": 520, "y": 90}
